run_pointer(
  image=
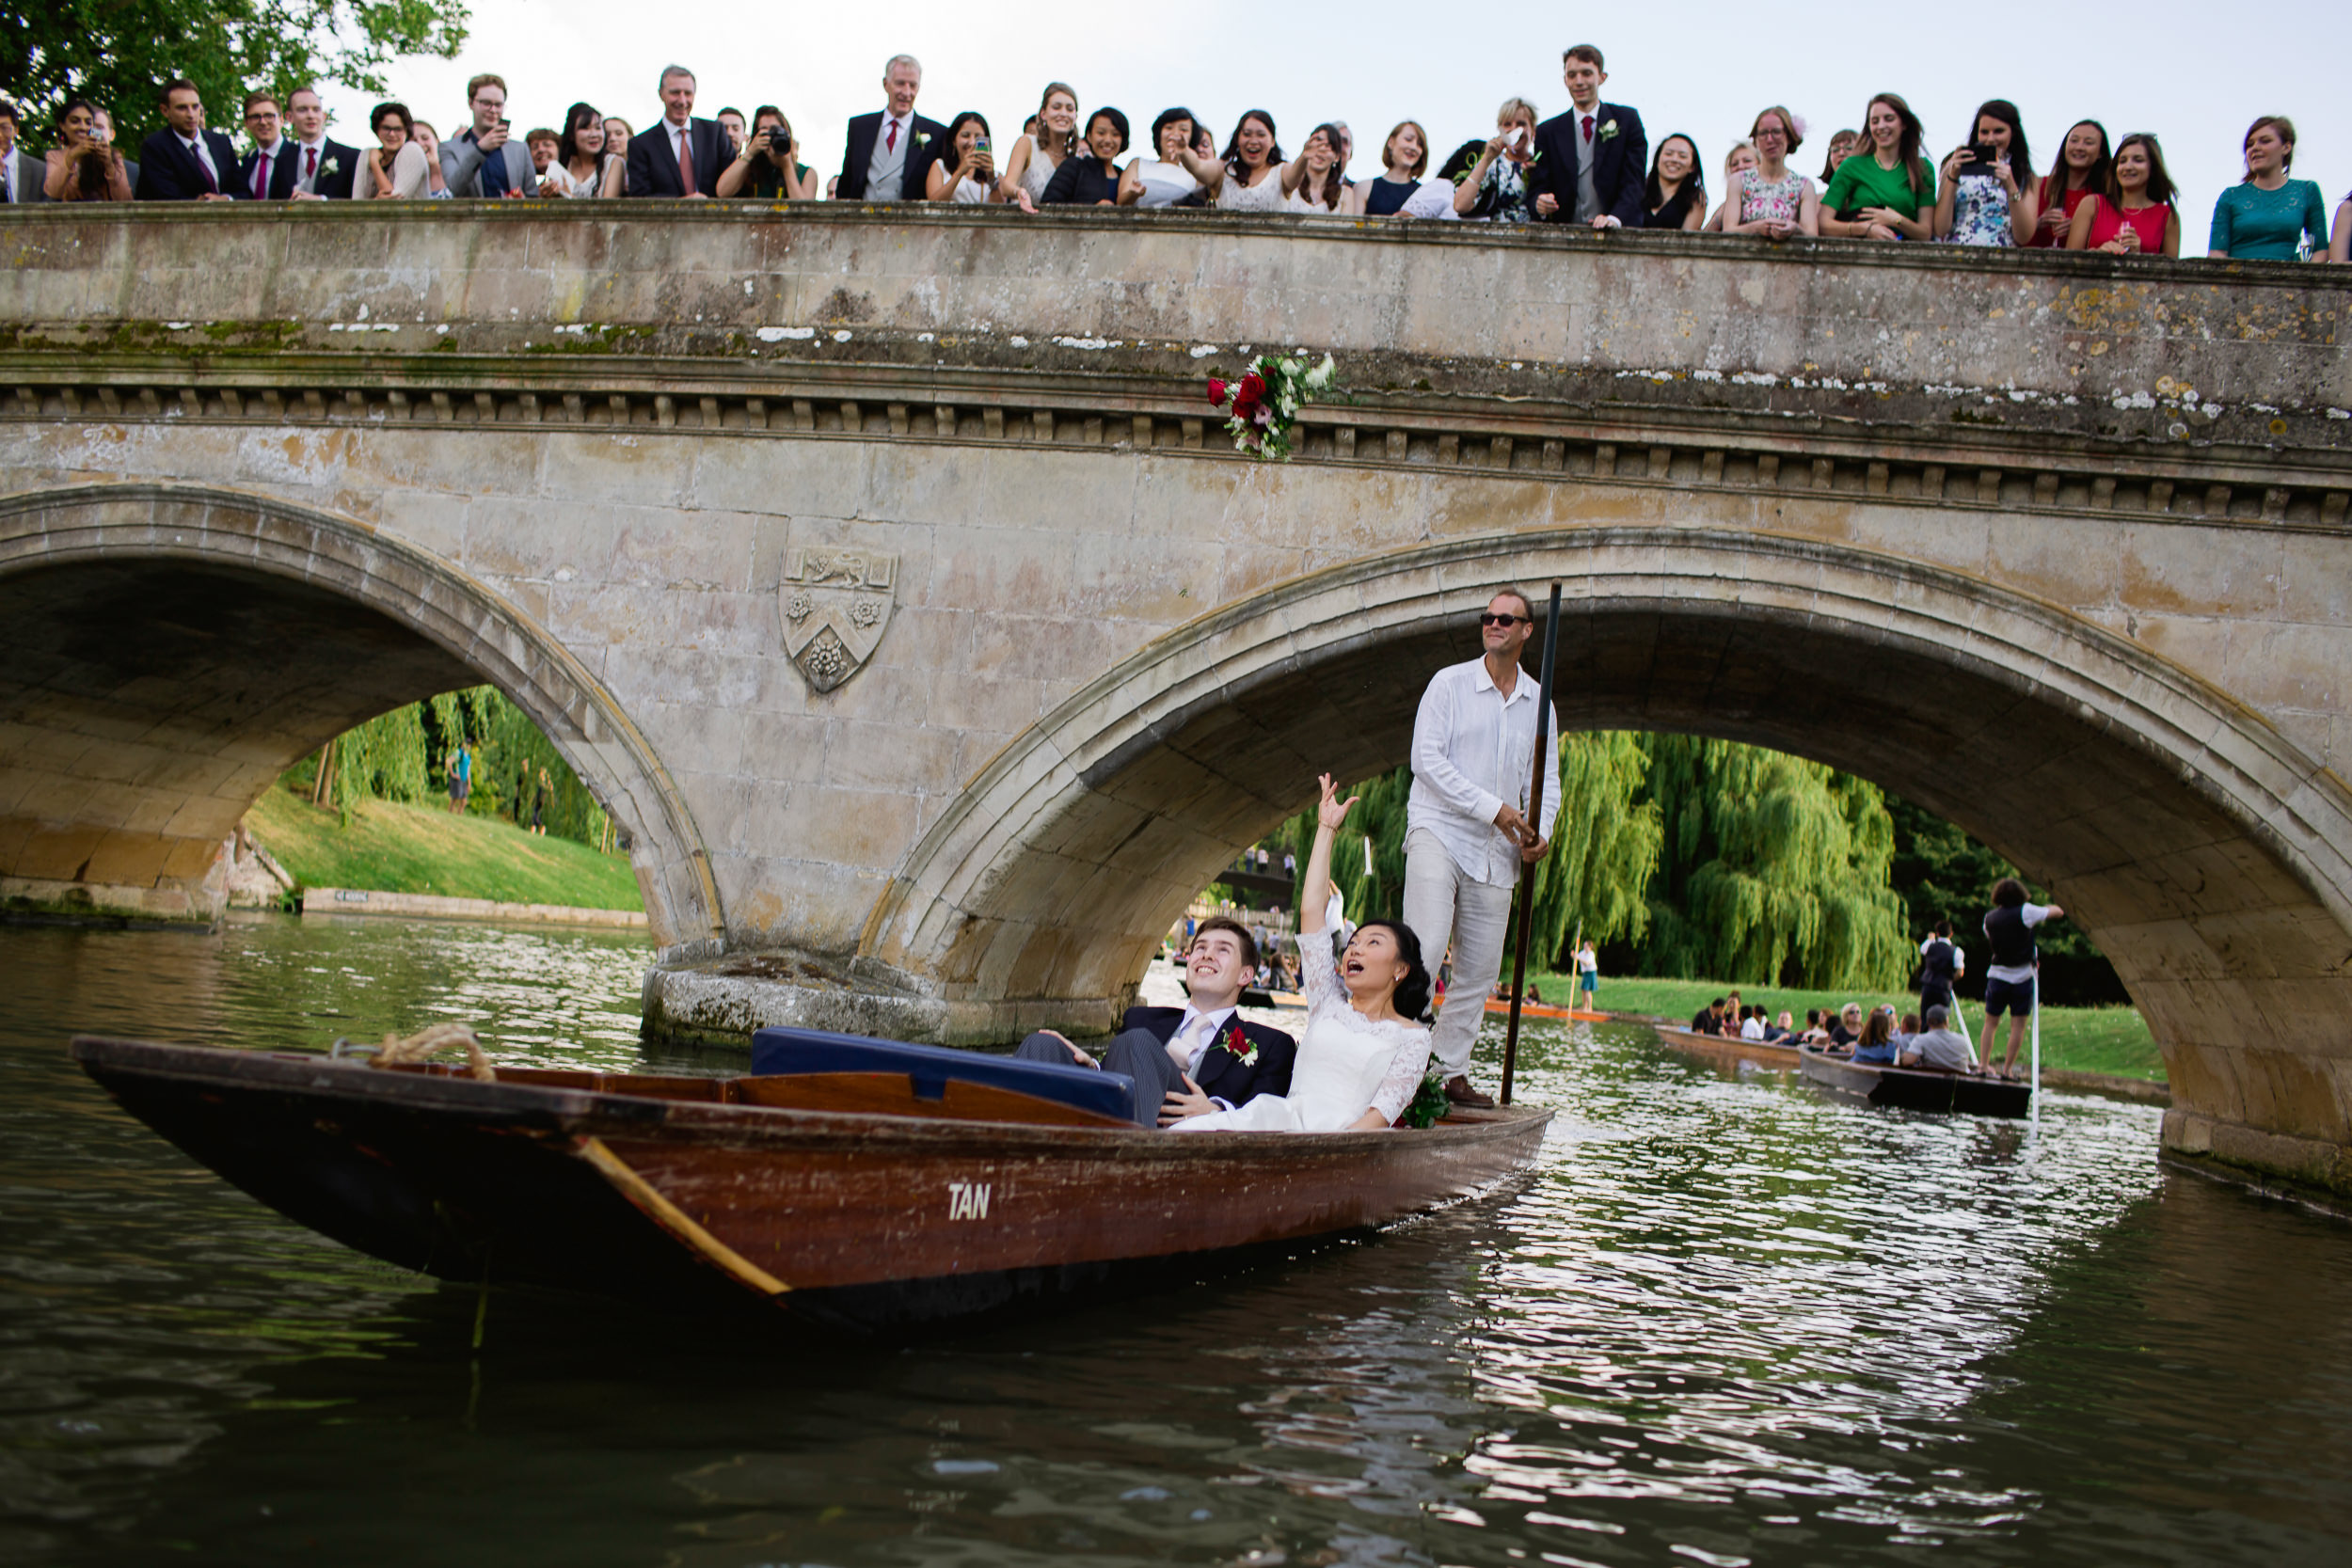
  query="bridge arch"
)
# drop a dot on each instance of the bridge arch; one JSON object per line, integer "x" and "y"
{"x": 2203, "y": 851}
{"x": 166, "y": 649}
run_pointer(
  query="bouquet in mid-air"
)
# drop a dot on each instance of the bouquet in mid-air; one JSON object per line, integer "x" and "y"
{"x": 1262, "y": 408}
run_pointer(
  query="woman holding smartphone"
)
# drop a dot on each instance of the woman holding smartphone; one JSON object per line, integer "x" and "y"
{"x": 1884, "y": 190}
{"x": 1986, "y": 201}
{"x": 2134, "y": 215}
{"x": 1495, "y": 190}
{"x": 969, "y": 178}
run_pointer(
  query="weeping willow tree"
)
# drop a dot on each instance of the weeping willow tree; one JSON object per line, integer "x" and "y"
{"x": 403, "y": 757}
{"x": 1606, "y": 847}
{"x": 1775, "y": 870}
{"x": 1712, "y": 859}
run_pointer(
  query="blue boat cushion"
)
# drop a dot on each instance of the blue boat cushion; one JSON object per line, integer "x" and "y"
{"x": 784, "y": 1052}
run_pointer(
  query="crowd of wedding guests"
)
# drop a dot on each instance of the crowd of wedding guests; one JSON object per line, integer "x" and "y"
{"x": 1592, "y": 165}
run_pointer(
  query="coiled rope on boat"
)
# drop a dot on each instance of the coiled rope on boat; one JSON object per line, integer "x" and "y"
{"x": 431, "y": 1040}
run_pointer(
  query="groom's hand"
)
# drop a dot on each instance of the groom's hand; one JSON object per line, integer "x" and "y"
{"x": 1076, "y": 1055}
{"x": 1189, "y": 1101}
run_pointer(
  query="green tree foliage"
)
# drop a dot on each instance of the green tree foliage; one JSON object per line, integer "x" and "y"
{"x": 405, "y": 754}
{"x": 1605, "y": 847}
{"x": 120, "y": 52}
{"x": 1775, "y": 870}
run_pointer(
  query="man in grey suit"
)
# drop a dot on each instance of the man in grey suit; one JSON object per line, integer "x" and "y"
{"x": 20, "y": 172}
{"x": 485, "y": 161}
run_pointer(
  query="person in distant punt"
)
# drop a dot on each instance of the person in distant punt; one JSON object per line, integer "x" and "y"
{"x": 1196, "y": 1059}
{"x": 1361, "y": 1061}
{"x": 1938, "y": 1049}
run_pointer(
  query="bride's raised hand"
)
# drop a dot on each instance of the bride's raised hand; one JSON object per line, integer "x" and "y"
{"x": 1331, "y": 811}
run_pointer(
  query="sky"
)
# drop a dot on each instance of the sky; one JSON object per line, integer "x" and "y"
{"x": 1699, "y": 67}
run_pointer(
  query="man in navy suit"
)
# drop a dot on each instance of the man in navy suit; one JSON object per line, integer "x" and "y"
{"x": 184, "y": 162}
{"x": 1191, "y": 1060}
{"x": 322, "y": 168}
{"x": 889, "y": 153}
{"x": 267, "y": 173}
{"x": 1592, "y": 162}
{"x": 681, "y": 156}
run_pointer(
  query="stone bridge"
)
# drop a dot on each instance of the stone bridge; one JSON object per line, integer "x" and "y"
{"x": 888, "y": 579}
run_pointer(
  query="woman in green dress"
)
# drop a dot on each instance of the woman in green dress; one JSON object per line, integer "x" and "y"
{"x": 2267, "y": 216}
{"x": 1885, "y": 190}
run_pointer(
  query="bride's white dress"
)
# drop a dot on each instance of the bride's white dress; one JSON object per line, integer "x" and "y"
{"x": 1346, "y": 1063}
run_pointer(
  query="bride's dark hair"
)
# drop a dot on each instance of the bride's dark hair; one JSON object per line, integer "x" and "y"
{"x": 1412, "y": 992}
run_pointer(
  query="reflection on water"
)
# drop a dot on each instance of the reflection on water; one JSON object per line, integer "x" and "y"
{"x": 1731, "y": 1320}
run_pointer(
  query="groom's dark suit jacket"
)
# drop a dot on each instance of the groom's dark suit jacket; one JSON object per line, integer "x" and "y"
{"x": 1620, "y": 162}
{"x": 1223, "y": 1075}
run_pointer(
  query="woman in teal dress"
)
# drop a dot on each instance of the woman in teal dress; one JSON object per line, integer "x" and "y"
{"x": 2267, "y": 216}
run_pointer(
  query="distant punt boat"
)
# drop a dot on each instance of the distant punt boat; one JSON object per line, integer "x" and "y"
{"x": 1728, "y": 1049}
{"x": 1501, "y": 1008}
{"x": 1915, "y": 1090}
{"x": 887, "y": 1184}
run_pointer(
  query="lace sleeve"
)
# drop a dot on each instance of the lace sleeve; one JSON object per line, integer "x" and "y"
{"x": 1406, "y": 1070}
{"x": 1318, "y": 975}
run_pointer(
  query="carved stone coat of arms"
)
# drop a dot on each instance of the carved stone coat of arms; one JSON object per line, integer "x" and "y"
{"x": 836, "y": 601}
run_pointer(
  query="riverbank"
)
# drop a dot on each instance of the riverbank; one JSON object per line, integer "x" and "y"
{"x": 2112, "y": 1040}
{"x": 390, "y": 847}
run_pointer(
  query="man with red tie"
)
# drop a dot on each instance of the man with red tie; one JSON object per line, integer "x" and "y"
{"x": 322, "y": 168}
{"x": 889, "y": 153}
{"x": 681, "y": 157}
{"x": 267, "y": 173}
{"x": 184, "y": 162}
{"x": 1590, "y": 162}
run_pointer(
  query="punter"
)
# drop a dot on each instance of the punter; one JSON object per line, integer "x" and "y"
{"x": 1466, "y": 827}
{"x": 2008, "y": 979}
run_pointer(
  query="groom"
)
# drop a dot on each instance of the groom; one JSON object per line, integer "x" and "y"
{"x": 1191, "y": 1060}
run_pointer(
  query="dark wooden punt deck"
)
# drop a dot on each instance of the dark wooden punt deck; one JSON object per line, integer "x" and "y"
{"x": 1915, "y": 1090}
{"x": 843, "y": 1197}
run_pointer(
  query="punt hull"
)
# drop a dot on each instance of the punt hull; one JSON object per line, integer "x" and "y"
{"x": 868, "y": 1221}
{"x": 1909, "y": 1089}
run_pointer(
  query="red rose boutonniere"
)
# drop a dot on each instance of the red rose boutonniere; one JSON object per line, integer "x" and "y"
{"x": 1238, "y": 1045}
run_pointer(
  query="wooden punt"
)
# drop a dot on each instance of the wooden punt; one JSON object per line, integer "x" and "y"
{"x": 1497, "y": 1007}
{"x": 860, "y": 1200}
{"x": 1727, "y": 1048}
{"x": 1914, "y": 1090}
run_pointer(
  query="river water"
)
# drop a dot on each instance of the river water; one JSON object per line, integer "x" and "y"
{"x": 1730, "y": 1320}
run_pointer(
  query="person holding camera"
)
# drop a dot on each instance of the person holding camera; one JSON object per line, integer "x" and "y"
{"x": 967, "y": 176}
{"x": 1987, "y": 198}
{"x": 769, "y": 169}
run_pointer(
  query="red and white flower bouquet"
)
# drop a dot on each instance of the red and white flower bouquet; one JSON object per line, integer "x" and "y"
{"x": 1262, "y": 408}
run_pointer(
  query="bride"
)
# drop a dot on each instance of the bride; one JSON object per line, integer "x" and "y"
{"x": 1361, "y": 1058}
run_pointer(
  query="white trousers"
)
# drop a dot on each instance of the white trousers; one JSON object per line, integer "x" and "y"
{"x": 1441, "y": 905}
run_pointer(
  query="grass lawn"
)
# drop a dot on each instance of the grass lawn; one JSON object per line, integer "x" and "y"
{"x": 2085, "y": 1039}
{"x": 397, "y": 849}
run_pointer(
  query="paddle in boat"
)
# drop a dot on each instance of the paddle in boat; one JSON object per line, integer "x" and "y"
{"x": 1914, "y": 1089}
{"x": 856, "y": 1181}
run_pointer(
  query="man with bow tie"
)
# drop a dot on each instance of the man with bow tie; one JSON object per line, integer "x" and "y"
{"x": 889, "y": 153}
{"x": 1201, "y": 1057}
{"x": 184, "y": 162}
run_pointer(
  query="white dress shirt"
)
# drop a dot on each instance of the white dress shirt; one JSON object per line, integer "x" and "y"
{"x": 1473, "y": 750}
{"x": 1195, "y": 1040}
{"x": 204, "y": 156}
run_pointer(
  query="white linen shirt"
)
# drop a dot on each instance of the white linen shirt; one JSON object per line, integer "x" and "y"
{"x": 1473, "y": 749}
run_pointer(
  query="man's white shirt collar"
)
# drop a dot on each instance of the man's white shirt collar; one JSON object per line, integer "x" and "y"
{"x": 1484, "y": 681}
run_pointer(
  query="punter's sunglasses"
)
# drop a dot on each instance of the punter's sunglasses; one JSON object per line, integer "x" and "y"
{"x": 1492, "y": 620}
